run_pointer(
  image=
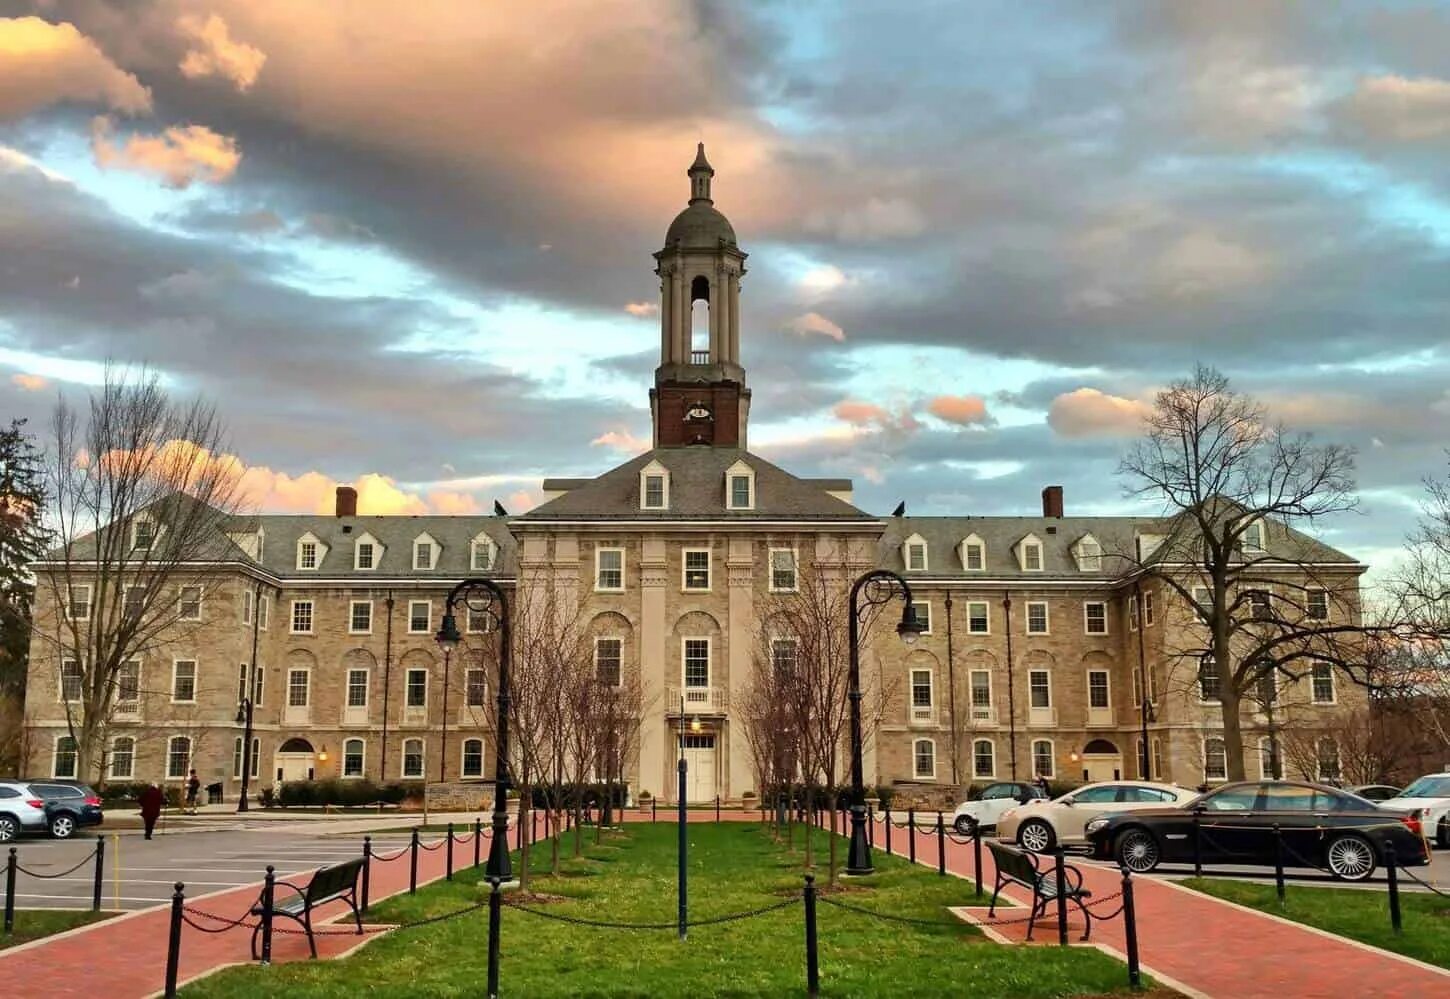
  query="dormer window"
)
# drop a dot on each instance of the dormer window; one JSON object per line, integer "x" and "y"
{"x": 913, "y": 553}
{"x": 310, "y": 552}
{"x": 366, "y": 553}
{"x": 143, "y": 534}
{"x": 1252, "y": 539}
{"x": 1089, "y": 554}
{"x": 481, "y": 554}
{"x": 974, "y": 554}
{"x": 654, "y": 487}
{"x": 425, "y": 553}
{"x": 1029, "y": 554}
{"x": 740, "y": 487}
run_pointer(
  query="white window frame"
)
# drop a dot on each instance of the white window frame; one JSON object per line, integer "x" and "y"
{"x": 259, "y": 686}
{"x": 1202, "y": 597}
{"x": 130, "y": 773}
{"x": 1198, "y": 682}
{"x": 1314, "y": 688}
{"x": 318, "y": 551}
{"x": 468, "y": 686}
{"x": 778, "y": 642}
{"x": 915, "y": 606}
{"x": 991, "y": 774}
{"x": 482, "y": 543}
{"x": 362, "y": 756}
{"x": 70, "y": 603}
{"x": 916, "y": 773}
{"x": 1028, "y": 542}
{"x": 1051, "y": 772}
{"x": 912, "y": 544}
{"x": 598, "y": 559}
{"x": 367, "y": 683}
{"x": 1150, "y": 613}
{"x": 743, "y": 471}
{"x": 422, "y": 759}
{"x": 1203, "y": 745}
{"x": 1087, "y": 618}
{"x": 247, "y": 605}
{"x": 1309, "y": 603}
{"x": 133, "y": 704}
{"x": 1047, "y": 673}
{"x": 654, "y": 469}
{"x": 598, "y": 640}
{"x": 60, "y": 681}
{"x": 352, "y": 628}
{"x": 972, "y": 705}
{"x": 969, "y": 542}
{"x": 1046, "y": 617}
{"x": 427, "y": 628}
{"x": 408, "y": 687}
{"x": 244, "y": 674}
{"x": 685, "y": 554}
{"x": 1265, "y": 746}
{"x": 195, "y": 680}
{"x": 75, "y": 762}
{"x": 1107, "y": 688}
{"x": 1319, "y": 773}
{"x": 918, "y": 712}
{"x": 987, "y": 606}
{"x": 264, "y": 612}
{"x": 135, "y": 534}
{"x": 375, "y": 552}
{"x": 1132, "y": 612}
{"x": 306, "y": 671}
{"x": 434, "y": 549}
{"x": 311, "y": 617}
{"x": 181, "y": 614}
{"x": 709, "y": 661}
{"x": 468, "y": 621}
{"x": 1260, "y": 530}
{"x": 190, "y": 757}
{"x": 795, "y": 570}
{"x": 463, "y": 771}
{"x": 1089, "y": 554}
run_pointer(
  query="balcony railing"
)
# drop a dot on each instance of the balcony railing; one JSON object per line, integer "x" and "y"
{"x": 698, "y": 700}
{"x": 984, "y": 714}
{"x": 699, "y": 357}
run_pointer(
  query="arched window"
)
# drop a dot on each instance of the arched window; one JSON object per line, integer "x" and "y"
{"x": 1044, "y": 762}
{"x": 123, "y": 757}
{"x": 1328, "y": 762}
{"x": 984, "y": 759}
{"x": 178, "y": 757}
{"x": 1215, "y": 760}
{"x": 700, "y": 320}
{"x": 473, "y": 757}
{"x": 412, "y": 759}
{"x": 352, "y": 757}
{"x": 923, "y": 755}
{"x": 65, "y": 757}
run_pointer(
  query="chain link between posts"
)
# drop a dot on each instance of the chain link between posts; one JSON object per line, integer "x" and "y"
{"x": 88, "y": 858}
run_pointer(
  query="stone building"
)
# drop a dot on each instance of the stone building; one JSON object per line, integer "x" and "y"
{"x": 1037, "y": 652}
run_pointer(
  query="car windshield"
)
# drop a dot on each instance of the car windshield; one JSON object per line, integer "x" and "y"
{"x": 1434, "y": 786}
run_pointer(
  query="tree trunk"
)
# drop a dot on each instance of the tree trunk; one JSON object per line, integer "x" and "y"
{"x": 524, "y": 793}
{"x": 810, "y": 829}
{"x": 832, "y": 878}
{"x": 555, "y": 822}
{"x": 1233, "y": 741}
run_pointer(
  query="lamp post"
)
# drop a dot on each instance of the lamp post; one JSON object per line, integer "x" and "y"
{"x": 244, "y": 718}
{"x": 880, "y": 586}
{"x": 494, "y": 603}
{"x": 683, "y": 848}
{"x": 447, "y": 648}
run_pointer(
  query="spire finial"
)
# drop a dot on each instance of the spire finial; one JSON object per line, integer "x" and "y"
{"x": 700, "y": 173}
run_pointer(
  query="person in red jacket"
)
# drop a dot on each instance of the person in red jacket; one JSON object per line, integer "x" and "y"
{"x": 151, "y": 800}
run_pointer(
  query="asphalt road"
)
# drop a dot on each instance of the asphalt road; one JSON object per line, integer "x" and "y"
{"x": 1437, "y": 873}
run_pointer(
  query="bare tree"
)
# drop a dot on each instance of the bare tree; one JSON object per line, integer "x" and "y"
{"x": 1235, "y": 487}
{"x": 143, "y": 500}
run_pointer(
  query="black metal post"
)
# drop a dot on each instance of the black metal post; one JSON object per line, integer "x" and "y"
{"x": 10, "y": 866}
{"x": 888, "y": 830}
{"x": 717, "y": 809}
{"x": 1392, "y": 874}
{"x": 100, "y": 870}
{"x": 173, "y": 943}
{"x": 911, "y": 833}
{"x": 870, "y": 826}
{"x": 1197, "y": 847}
{"x": 250, "y": 693}
{"x": 977, "y": 854}
{"x": 449, "y": 851}
{"x": 269, "y": 893}
{"x": 519, "y": 832}
{"x": 683, "y": 847}
{"x": 367, "y": 871}
{"x": 413, "y": 863}
{"x": 1061, "y": 875}
{"x": 1130, "y": 929}
{"x": 654, "y": 809}
{"x": 813, "y": 965}
{"x": 1279, "y": 864}
{"x": 443, "y": 740}
{"x": 495, "y": 912}
{"x": 477, "y": 841}
{"x": 941, "y": 845}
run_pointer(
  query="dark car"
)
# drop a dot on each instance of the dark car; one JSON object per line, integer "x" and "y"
{"x": 68, "y": 805}
{"x": 1321, "y": 827}
{"x": 1375, "y": 792}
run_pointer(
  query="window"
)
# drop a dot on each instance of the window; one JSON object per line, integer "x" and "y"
{"x": 79, "y": 604}
{"x": 1202, "y": 603}
{"x": 1316, "y": 605}
{"x": 123, "y": 758}
{"x": 481, "y": 555}
{"x": 1095, "y": 617}
{"x": 697, "y": 570}
{"x": 1032, "y": 556}
{"x": 298, "y": 683}
{"x": 1098, "y": 689}
{"x": 474, "y": 682}
{"x": 65, "y": 757}
{"x": 978, "y": 620}
{"x": 188, "y": 605}
{"x": 1215, "y": 760}
{"x": 128, "y": 685}
{"x": 1089, "y": 555}
{"x": 360, "y": 617}
{"x": 1133, "y": 612}
{"x": 921, "y": 694}
{"x": 477, "y": 619}
{"x": 1321, "y": 682}
{"x": 655, "y": 492}
{"x": 417, "y": 688}
{"x": 1044, "y": 763}
{"x": 143, "y": 534}
{"x": 608, "y": 656}
{"x": 1137, "y": 686}
{"x": 302, "y": 617}
{"x": 783, "y": 656}
{"x": 1208, "y": 681}
{"x": 357, "y": 688}
{"x": 1266, "y": 689}
{"x": 472, "y": 757}
{"x": 246, "y": 607}
{"x": 364, "y": 555}
{"x": 352, "y": 757}
{"x": 178, "y": 757}
{"x": 264, "y": 611}
{"x": 783, "y": 570}
{"x": 412, "y": 758}
{"x": 133, "y": 602}
{"x": 307, "y": 554}
{"x": 1039, "y": 684}
{"x": 974, "y": 555}
{"x": 237, "y": 758}
{"x": 984, "y": 758}
{"x": 981, "y": 684}
{"x": 70, "y": 679}
{"x": 1252, "y": 540}
{"x": 1267, "y": 769}
{"x": 422, "y": 555}
{"x": 916, "y": 556}
{"x": 1261, "y": 607}
{"x": 1158, "y": 758}
{"x": 697, "y": 662}
{"x": 257, "y": 684}
{"x": 1037, "y": 617}
{"x": 922, "y": 610}
{"x": 609, "y": 569}
{"x": 1328, "y": 760}
{"x": 740, "y": 492}
{"x": 923, "y": 756}
{"x": 241, "y": 683}
{"x": 1148, "y": 608}
{"x": 420, "y": 617}
{"x": 183, "y": 681}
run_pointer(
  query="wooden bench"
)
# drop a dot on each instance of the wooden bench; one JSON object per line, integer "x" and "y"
{"x": 338, "y": 881}
{"x": 1019, "y": 867}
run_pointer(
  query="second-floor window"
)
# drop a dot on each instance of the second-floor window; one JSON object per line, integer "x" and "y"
{"x": 1208, "y": 680}
{"x": 70, "y": 680}
{"x": 80, "y": 603}
{"x": 1316, "y": 605}
{"x": 608, "y": 656}
{"x": 188, "y": 605}
{"x": 783, "y": 656}
{"x": 1036, "y": 617}
{"x": 420, "y": 616}
{"x": 417, "y": 693}
{"x": 360, "y": 617}
{"x": 978, "y": 622}
{"x": 301, "y": 617}
{"x": 1095, "y": 617}
{"x": 299, "y": 683}
{"x": 782, "y": 570}
{"x": 1039, "y": 683}
{"x": 357, "y": 688}
{"x": 183, "y": 680}
{"x": 920, "y": 692}
{"x": 922, "y": 610}
{"x": 1098, "y": 689}
{"x": 609, "y": 569}
{"x": 981, "y": 683}
{"x": 697, "y": 662}
{"x": 1261, "y": 606}
{"x": 697, "y": 570}
{"x": 474, "y": 687}
{"x": 1322, "y": 682}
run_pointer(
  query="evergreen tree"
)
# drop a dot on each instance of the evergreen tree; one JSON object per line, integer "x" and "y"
{"x": 22, "y": 540}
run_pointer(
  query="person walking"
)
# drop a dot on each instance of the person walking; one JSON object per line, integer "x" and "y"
{"x": 193, "y": 791}
{"x": 151, "y": 799}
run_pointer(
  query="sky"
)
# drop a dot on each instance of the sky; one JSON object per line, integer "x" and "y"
{"x": 407, "y": 246}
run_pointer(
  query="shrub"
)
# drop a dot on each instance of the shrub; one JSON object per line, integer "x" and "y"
{"x": 341, "y": 793}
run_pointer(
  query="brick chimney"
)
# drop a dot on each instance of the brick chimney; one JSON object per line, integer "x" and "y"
{"x": 1052, "y": 501}
{"x": 347, "y": 501}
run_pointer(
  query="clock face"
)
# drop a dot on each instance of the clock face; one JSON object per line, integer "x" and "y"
{"x": 698, "y": 411}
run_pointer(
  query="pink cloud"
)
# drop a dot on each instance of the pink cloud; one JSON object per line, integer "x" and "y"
{"x": 622, "y": 441}
{"x": 215, "y": 53}
{"x": 870, "y": 415}
{"x": 815, "y": 324}
{"x": 28, "y": 382}
{"x": 1087, "y": 412}
{"x": 43, "y": 64}
{"x": 180, "y": 155}
{"x": 642, "y": 310}
{"x": 963, "y": 410}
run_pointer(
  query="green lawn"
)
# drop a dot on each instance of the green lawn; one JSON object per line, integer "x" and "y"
{"x": 733, "y": 867}
{"x": 1360, "y": 914}
{"x": 32, "y": 924}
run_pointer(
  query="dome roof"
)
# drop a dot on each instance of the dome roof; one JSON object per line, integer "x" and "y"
{"x": 700, "y": 226}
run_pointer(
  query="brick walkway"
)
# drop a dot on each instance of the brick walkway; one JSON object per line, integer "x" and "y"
{"x": 1205, "y": 946}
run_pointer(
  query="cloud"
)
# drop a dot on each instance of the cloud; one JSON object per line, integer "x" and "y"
{"x": 214, "y": 53}
{"x": 1087, "y": 412}
{"x": 622, "y": 441}
{"x": 182, "y": 284}
{"x": 1401, "y": 109}
{"x": 815, "y": 324}
{"x": 869, "y": 415}
{"x": 28, "y": 382}
{"x": 963, "y": 410}
{"x": 642, "y": 310}
{"x": 822, "y": 280}
{"x": 180, "y": 155}
{"x": 877, "y": 219}
{"x": 43, "y": 64}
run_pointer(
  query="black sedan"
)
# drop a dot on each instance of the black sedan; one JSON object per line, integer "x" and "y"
{"x": 1321, "y": 827}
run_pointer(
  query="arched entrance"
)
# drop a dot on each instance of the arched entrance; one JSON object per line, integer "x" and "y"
{"x": 295, "y": 760}
{"x": 1101, "y": 760}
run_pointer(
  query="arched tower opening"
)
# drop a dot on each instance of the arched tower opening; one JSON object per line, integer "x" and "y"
{"x": 700, "y": 321}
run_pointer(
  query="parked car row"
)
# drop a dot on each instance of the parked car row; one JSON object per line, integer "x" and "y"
{"x": 57, "y": 807}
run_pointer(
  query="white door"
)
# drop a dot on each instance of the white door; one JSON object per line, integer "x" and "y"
{"x": 294, "y": 766}
{"x": 699, "y": 768}
{"x": 1101, "y": 766}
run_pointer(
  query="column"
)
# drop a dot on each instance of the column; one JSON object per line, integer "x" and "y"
{"x": 654, "y": 755}
{"x": 679, "y": 318}
{"x": 667, "y": 286}
{"x": 734, "y": 308}
{"x": 717, "y": 313}
{"x": 739, "y": 574}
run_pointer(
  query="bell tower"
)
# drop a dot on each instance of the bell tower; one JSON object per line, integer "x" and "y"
{"x": 699, "y": 396}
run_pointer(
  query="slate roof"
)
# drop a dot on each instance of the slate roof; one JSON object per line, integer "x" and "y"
{"x": 697, "y": 492}
{"x": 395, "y": 533}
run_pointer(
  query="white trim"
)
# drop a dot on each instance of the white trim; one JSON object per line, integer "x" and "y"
{"x": 967, "y": 542}
{"x": 990, "y": 707}
{"x": 319, "y": 552}
{"x": 915, "y": 771}
{"x": 928, "y": 621}
{"x": 70, "y": 601}
{"x": 1108, "y": 677}
{"x": 609, "y": 638}
{"x": 685, "y": 554}
{"x": 1085, "y": 619}
{"x": 1039, "y": 707}
{"x": 599, "y": 550}
{"x": 1023, "y": 543}
{"x": 149, "y": 521}
{"x": 1308, "y": 596}
{"x": 709, "y": 660}
{"x": 1081, "y": 555}
{"x": 422, "y": 758}
{"x": 248, "y": 604}
{"x": 195, "y": 678}
{"x": 60, "y": 681}
{"x": 352, "y": 605}
{"x": 1150, "y": 609}
{"x": 287, "y": 693}
{"x": 408, "y": 686}
{"x": 984, "y": 603}
{"x": 347, "y": 704}
{"x": 111, "y": 764}
{"x": 363, "y": 765}
{"x": 190, "y": 757}
{"x": 740, "y": 469}
{"x": 1052, "y": 756}
{"x": 181, "y": 600}
{"x": 311, "y": 618}
{"x": 463, "y": 755}
{"x": 264, "y": 612}
{"x": 376, "y": 553}
{"x": 915, "y": 541}
{"x": 55, "y": 758}
{"x": 916, "y": 713}
{"x": 483, "y": 704}
{"x": 435, "y": 551}
{"x": 795, "y": 570}
{"x": 427, "y": 628}
{"x": 654, "y": 470}
{"x": 1203, "y": 742}
{"x": 992, "y": 774}
{"x": 482, "y": 540}
{"x": 1046, "y": 617}
{"x": 1333, "y": 687}
{"x": 1261, "y": 529}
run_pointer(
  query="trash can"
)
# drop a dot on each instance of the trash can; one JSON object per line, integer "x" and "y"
{"x": 214, "y": 793}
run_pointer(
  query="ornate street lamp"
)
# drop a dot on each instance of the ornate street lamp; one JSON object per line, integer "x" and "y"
{"x": 879, "y": 586}
{"x": 483, "y": 595}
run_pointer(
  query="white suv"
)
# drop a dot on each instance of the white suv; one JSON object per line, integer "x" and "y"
{"x": 1429, "y": 799}
{"x": 20, "y": 809}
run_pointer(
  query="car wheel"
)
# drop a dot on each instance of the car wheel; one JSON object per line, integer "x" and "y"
{"x": 1137, "y": 850}
{"x": 964, "y": 825}
{"x": 1350, "y": 858}
{"x": 9, "y": 829}
{"x": 1037, "y": 836}
{"x": 62, "y": 826}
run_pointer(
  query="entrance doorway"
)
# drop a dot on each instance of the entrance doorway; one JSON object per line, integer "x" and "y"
{"x": 1101, "y": 760}
{"x": 295, "y": 760}
{"x": 699, "y": 750}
